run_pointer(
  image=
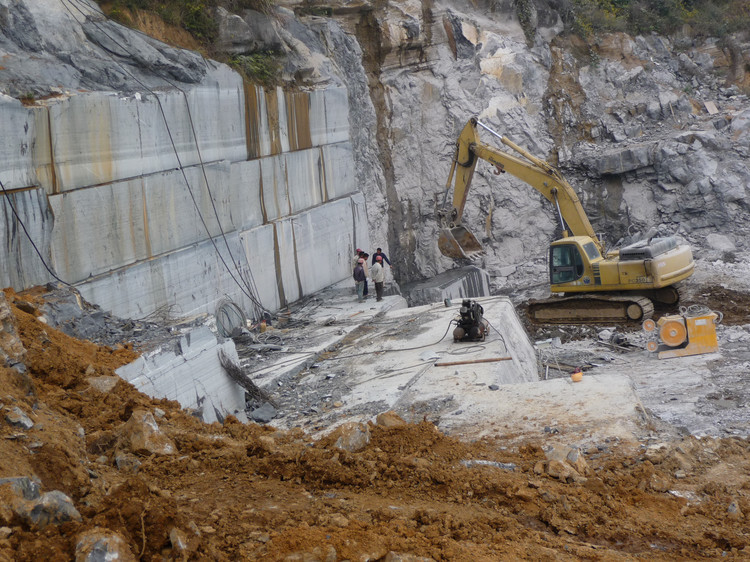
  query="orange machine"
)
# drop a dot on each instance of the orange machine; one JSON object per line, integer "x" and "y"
{"x": 692, "y": 332}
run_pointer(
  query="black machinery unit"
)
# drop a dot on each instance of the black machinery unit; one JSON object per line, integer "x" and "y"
{"x": 470, "y": 325}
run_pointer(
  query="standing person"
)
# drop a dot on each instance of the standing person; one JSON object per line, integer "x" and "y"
{"x": 360, "y": 279}
{"x": 380, "y": 253}
{"x": 378, "y": 277}
{"x": 364, "y": 256}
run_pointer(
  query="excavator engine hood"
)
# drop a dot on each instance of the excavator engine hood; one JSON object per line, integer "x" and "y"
{"x": 458, "y": 243}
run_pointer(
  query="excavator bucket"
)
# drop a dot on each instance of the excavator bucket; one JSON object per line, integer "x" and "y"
{"x": 458, "y": 242}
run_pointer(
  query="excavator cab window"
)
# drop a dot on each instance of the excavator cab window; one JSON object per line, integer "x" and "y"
{"x": 566, "y": 264}
{"x": 592, "y": 251}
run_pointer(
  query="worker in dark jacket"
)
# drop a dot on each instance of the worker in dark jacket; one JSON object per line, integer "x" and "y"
{"x": 380, "y": 253}
{"x": 359, "y": 279}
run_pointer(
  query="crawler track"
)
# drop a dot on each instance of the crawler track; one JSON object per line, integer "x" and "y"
{"x": 581, "y": 309}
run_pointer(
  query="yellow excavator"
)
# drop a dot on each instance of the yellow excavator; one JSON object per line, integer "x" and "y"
{"x": 591, "y": 284}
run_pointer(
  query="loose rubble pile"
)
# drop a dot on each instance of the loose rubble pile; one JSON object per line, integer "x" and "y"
{"x": 90, "y": 468}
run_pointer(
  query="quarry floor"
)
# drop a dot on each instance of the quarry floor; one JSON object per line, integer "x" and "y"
{"x": 664, "y": 444}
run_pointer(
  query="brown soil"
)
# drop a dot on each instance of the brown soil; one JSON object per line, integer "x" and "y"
{"x": 733, "y": 305}
{"x": 245, "y": 492}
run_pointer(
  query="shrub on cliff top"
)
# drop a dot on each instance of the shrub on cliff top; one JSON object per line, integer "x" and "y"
{"x": 716, "y": 18}
{"x": 195, "y": 16}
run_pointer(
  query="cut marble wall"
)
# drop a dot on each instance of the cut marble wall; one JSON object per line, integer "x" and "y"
{"x": 135, "y": 232}
{"x": 188, "y": 281}
{"x": 103, "y": 137}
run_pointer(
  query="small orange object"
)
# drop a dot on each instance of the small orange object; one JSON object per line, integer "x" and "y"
{"x": 577, "y": 375}
{"x": 262, "y": 325}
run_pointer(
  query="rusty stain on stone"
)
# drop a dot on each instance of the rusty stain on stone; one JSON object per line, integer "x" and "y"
{"x": 272, "y": 111}
{"x": 298, "y": 119}
{"x": 252, "y": 120}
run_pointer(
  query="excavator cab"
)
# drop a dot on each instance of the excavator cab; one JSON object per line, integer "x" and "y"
{"x": 458, "y": 243}
{"x": 566, "y": 263}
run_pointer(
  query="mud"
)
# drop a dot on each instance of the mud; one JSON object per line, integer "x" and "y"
{"x": 245, "y": 492}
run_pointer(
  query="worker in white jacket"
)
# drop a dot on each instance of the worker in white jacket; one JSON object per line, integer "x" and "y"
{"x": 377, "y": 274}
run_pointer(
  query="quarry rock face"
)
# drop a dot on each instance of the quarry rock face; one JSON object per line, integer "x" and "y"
{"x": 650, "y": 136}
{"x": 648, "y": 130}
{"x": 150, "y": 176}
{"x": 79, "y": 47}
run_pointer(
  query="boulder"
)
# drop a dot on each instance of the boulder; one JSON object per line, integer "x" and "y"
{"x": 263, "y": 414}
{"x": 141, "y": 435}
{"x": 22, "y": 486}
{"x": 561, "y": 471}
{"x": 35, "y": 509}
{"x": 180, "y": 541}
{"x": 101, "y": 545}
{"x": 389, "y": 419}
{"x": 249, "y": 33}
{"x": 623, "y": 160}
{"x": 720, "y": 242}
{"x": 459, "y": 43}
{"x": 17, "y": 418}
{"x": 103, "y": 384}
{"x": 127, "y": 462}
{"x": 351, "y": 436}
{"x": 11, "y": 348}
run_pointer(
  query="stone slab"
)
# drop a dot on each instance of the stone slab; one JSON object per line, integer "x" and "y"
{"x": 275, "y": 188}
{"x": 258, "y": 244}
{"x": 20, "y": 265}
{"x": 104, "y": 137}
{"x": 455, "y": 284}
{"x": 290, "y": 288}
{"x": 98, "y": 229}
{"x": 328, "y": 231}
{"x": 244, "y": 192}
{"x": 24, "y": 151}
{"x": 340, "y": 178}
{"x": 304, "y": 175}
{"x": 182, "y": 209}
{"x": 329, "y": 116}
{"x": 188, "y": 282}
{"x": 191, "y": 374}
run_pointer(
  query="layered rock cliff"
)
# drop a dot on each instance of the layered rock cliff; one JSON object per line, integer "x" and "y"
{"x": 653, "y": 132}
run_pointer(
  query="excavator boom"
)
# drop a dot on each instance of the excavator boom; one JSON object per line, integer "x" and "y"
{"x": 457, "y": 241}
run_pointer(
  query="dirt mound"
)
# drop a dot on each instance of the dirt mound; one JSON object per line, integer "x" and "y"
{"x": 234, "y": 491}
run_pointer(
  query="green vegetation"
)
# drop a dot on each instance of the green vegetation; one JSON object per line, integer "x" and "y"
{"x": 195, "y": 16}
{"x": 259, "y": 67}
{"x": 698, "y": 18}
{"x": 524, "y": 13}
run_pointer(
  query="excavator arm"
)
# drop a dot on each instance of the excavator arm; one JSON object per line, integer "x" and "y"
{"x": 457, "y": 241}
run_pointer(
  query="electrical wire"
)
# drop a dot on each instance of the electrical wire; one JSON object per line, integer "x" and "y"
{"x": 31, "y": 240}
{"x": 228, "y": 317}
{"x": 505, "y": 345}
{"x": 247, "y": 289}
